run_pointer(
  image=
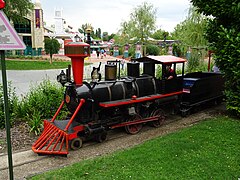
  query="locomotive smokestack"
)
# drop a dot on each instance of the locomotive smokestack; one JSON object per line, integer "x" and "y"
{"x": 77, "y": 51}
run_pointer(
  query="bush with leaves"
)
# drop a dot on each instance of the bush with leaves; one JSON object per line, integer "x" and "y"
{"x": 35, "y": 123}
{"x": 159, "y": 71}
{"x": 153, "y": 50}
{"x": 228, "y": 60}
{"x": 176, "y": 50}
{"x": 193, "y": 62}
{"x": 131, "y": 51}
{"x": 224, "y": 38}
{"x": 41, "y": 103}
{"x": 12, "y": 104}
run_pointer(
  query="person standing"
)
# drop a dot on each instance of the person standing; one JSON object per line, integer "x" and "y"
{"x": 102, "y": 52}
{"x": 215, "y": 68}
{"x": 122, "y": 61}
{"x": 98, "y": 54}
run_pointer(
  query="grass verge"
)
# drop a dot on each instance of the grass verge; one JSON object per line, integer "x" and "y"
{"x": 36, "y": 65}
{"x": 209, "y": 150}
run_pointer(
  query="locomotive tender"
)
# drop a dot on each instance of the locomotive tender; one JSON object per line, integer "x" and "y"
{"x": 99, "y": 106}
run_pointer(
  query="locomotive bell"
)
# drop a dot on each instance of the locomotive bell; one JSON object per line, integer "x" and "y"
{"x": 62, "y": 78}
{"x": 77, "y": 51}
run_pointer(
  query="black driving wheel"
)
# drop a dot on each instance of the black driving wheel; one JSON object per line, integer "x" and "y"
{"x": 76, "y": 143}
{"x": 101, "y": 137}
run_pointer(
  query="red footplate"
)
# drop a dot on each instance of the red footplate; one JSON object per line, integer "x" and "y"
{"x": 53, "y": 141}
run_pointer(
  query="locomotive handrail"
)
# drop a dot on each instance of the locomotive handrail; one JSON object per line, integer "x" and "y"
{"x": 82, "y": 101}
{"x": 136, "y": 100}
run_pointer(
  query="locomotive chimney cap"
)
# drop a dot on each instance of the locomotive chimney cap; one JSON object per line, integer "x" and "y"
{"x": 79, "y": 49}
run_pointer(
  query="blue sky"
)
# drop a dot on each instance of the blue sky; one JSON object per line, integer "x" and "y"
{"x": 108, "y": 14}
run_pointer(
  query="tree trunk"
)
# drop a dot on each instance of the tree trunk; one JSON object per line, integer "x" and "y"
{"x": 51, "y": 58}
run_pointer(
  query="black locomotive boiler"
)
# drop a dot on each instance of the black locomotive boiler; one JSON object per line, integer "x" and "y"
{"x": 99, "y": 106}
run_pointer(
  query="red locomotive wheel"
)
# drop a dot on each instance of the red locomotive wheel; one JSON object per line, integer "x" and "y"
{"x": 135, "y": 128}
{"x": 76, "y": 143}
{"x": 161, "y": 119}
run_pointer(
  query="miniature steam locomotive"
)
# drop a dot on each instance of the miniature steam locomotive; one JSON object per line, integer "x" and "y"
{"x": 129, "y": 102}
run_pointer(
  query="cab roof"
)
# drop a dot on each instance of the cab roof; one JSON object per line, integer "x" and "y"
{"x": 165, "y": 59}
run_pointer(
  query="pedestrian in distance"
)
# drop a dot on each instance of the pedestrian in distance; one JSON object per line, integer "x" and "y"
{"x": 122, "y": 61}
{"x": 98, "y": 54}
{"x": 102, "y": 53}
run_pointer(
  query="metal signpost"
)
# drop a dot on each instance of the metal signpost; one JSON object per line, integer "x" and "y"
{"x": 9, "y": 40}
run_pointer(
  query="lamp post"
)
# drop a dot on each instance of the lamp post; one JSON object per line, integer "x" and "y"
{"x": 88, "y": 31}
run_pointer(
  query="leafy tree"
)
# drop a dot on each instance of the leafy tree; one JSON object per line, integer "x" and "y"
{"x": 51, "y": 46}
{"x": 191, "y": 31}
{"x": 142, "y": 22}
{"x": 83, "y": 29}
{"x": 121, "y": 39}
{"x": 99, "y": 33}
{"x": 224, "y": 38}
{"x": 111, "y": 36}
{"x": 159, "y": 34}
{"x": 16, "y": 10}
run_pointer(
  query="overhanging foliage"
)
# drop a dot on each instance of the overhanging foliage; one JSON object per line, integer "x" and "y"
{"x": 224, "y": 38}
{"x": 16, "y": 9}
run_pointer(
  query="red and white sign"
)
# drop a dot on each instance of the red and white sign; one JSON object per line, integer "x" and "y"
{"x": 9, "y": 39}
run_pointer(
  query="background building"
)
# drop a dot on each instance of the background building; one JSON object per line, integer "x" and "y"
{"x": 32, "y": 31}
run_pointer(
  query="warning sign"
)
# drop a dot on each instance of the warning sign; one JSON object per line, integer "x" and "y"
{"x": 9, "y": 39}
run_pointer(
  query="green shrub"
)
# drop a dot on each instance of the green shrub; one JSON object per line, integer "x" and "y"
{"x": 159, "y": 71}
{"x": 164, "y": 51}
{"x": 41, "y": 103}
{"x": 35, "y": 123}
{"x": 193, "y": 62}
{"x": 227, "y": 59}
{"x": 152, "y": 50}
{"x": 176, "y": 50}
{"x": 12, "y": 104}
{"x": 223, "y": 36}
{"x": 131, "y": 52}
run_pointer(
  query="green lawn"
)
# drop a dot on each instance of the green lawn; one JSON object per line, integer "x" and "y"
{"x": 36, "y": 65}
{"x": 208, "y": 150}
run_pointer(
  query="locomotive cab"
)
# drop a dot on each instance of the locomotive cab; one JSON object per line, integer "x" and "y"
{"x": 156, "y": 66}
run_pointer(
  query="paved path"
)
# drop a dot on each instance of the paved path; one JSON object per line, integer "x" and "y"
{"x": 24, "y": 80}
